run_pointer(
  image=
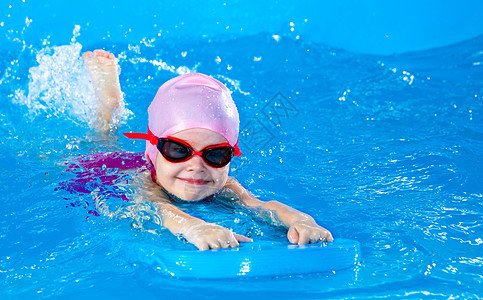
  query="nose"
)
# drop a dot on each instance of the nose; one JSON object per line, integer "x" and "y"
{"x": 195, "y": 163}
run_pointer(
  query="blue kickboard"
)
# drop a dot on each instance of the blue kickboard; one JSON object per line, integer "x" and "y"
{"x": 254, "y": 259}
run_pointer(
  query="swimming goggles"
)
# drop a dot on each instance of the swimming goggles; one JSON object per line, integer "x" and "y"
{"x": 176, "y": 150}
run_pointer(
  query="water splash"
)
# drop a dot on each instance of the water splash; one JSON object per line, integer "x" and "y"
{"x": 110, "y": 201}
{"x": 59, "y": 86}
{"x": 76, "y": 33}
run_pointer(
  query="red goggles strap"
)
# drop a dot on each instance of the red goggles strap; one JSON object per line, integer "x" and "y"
{"x": 237, "y": 151}
{"x": 143, "y": 136}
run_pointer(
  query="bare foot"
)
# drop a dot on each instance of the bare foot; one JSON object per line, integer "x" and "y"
{"x": 102, "y": 67}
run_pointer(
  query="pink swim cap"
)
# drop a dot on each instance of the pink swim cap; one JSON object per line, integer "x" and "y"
{"x": 192, "y": 101}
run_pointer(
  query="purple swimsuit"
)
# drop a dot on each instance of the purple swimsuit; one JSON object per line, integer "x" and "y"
{"x": 95, "y": 170}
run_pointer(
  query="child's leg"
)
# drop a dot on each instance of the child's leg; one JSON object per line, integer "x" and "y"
{"x": 102, "y": 68}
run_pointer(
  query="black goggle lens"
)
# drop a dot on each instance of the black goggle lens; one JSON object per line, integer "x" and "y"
{"x": 174, "y": 151}
{"x": 218, "y": 157}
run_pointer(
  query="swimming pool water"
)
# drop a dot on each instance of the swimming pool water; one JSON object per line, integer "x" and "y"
{"x": 385, "y": 150}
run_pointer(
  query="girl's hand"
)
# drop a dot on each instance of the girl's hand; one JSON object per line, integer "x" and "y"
{"x": 211, "y": 236}
{"x": 307, "y": 232}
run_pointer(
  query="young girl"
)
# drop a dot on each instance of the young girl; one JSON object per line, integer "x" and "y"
{"x": 191, "y": 138}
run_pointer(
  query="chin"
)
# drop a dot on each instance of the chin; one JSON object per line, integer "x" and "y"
{"x": 191, "y": 192}
{"x": 196, "y": 196}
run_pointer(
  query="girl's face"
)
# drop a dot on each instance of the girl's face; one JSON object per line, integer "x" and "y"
{"x": 192, "y": 179}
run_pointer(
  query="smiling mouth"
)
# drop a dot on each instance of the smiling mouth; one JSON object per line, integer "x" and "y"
{"x": 194, "y": 181}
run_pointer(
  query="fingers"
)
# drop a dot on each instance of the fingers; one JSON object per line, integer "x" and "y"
{"x": 214, "y": 244}
{"x": 323, "y": 236}
{"x": 233, "y": 243}
{"x": 302, "y": 234}
{"x": 222, "y": 243}
{"x": 304, "y": 237}
{"x": 293, "y": 235}
{"x": 217, "y": 237}
{"x": 202, "y": 246}
{"x": 218, "y": 244}
{"x": 242, "y": 238}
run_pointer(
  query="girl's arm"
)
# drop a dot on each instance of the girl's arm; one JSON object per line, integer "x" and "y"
{"x": 198, "y": 232}
{"x": 302, "y": 228}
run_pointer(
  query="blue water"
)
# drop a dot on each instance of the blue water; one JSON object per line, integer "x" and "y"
{"x": 385, "y": 150}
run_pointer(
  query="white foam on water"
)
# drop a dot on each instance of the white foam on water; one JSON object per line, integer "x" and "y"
{"x": 60, "y": 86}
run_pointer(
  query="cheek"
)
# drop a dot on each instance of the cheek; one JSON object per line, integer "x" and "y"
{"x": 220, "y": 176}
{"x": 164, "y": 170}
